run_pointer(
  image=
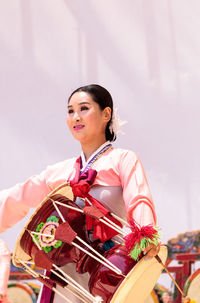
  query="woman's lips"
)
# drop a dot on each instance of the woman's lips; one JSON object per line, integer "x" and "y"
{"x": 78, "y": 127}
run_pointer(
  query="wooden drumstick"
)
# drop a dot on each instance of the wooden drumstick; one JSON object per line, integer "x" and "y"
{"x": 174, "y": 281}
{"x": 165, "y": 268}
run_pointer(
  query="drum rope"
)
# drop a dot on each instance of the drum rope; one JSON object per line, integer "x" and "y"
{"x": 87, "y": 293}
{"x": 74, "y": 286}
{"x": 97, "y": 259}
{"x": 73, "y": 283}
{"x": 40, "y": 234}
{"x": 98, "y": 254}
{"x": 111, "y": 225}
{"x": 106, "y": 262}
{"x": 112, "y": 267}
{"x": 36, "y": 276}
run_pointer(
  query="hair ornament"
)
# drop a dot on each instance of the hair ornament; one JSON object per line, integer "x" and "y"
{"x": 116, "y": 123}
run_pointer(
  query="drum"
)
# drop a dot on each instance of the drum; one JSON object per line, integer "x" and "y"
{"x": 192, "y": 286}
{"x": 56, "y": 235}
{"x": 20, "y": 292}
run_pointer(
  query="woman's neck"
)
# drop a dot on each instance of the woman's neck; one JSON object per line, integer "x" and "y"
{"x": 89, "y": 149}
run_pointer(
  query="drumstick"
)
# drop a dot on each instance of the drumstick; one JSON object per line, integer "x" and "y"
{"x": 167, "y": 271}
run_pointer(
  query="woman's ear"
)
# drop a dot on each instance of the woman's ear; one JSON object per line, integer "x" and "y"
{"x": 107, "y": 113}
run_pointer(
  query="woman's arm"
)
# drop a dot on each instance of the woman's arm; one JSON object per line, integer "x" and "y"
{"x": 136, "y": 193}
{"x": 16, "y": 201}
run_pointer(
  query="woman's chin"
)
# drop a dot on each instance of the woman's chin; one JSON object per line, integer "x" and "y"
{"x": 79, "y": 137}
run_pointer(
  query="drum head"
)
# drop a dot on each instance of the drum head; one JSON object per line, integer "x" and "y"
{"x": 140, "y": 281}
{"x": 192, "y": 286}
{"x": 20, "y": 292}
{"x": 19, "y": 253}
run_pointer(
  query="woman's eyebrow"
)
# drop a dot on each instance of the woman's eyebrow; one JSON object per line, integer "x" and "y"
{"x": 81, "y": 103}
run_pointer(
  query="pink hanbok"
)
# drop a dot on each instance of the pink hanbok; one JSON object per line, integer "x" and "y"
{"x": 120, "y": 185}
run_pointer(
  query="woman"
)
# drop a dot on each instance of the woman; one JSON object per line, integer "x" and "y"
{"x": 120, "y": 184}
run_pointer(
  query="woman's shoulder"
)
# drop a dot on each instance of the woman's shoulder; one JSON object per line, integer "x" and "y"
{"x": 124, "y": 153}
{"x": 67, "y": 163}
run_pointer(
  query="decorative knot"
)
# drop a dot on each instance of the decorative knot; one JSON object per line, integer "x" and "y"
{"x": 80, "y": 189}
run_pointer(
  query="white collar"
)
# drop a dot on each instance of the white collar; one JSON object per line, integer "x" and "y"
{"x": 84, "y": 163}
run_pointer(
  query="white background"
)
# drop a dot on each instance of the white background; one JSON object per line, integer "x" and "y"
{"x": 146, "y": 53}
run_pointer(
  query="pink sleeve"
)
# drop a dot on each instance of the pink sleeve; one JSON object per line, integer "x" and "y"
{"x": 4, "y": 266}
{"x": 136, "y": 193}
{"x": 16, "y": 201}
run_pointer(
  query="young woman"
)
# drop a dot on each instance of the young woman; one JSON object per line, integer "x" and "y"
{"x": 120, "y": 184}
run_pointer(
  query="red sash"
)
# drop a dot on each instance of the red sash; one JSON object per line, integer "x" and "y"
{"x": 81, "y": 185}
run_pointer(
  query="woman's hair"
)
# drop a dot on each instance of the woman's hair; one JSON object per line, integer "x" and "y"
{"x": 102, "y": 97}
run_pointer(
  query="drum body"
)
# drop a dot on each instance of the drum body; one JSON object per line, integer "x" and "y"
{"x": 192, "y": 286}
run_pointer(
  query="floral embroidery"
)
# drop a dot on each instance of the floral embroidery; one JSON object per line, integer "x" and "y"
{"x": 46, "y": 242}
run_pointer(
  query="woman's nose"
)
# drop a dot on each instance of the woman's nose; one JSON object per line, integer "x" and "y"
{"x": 76, "y": 116}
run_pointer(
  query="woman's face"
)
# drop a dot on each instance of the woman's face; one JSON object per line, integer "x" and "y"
{"x": 85, "y": 119}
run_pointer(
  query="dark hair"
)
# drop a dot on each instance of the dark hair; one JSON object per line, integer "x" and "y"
{"x": 101, "y": 96}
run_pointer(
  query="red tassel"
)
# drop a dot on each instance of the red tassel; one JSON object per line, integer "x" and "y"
{"x": 138, "y": 233}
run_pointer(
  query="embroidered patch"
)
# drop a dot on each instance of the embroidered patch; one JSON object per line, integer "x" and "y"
{"x": 49, "y": 228}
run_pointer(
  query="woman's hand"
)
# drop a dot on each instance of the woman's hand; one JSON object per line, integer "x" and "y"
{"x": 151, "y": 250}
{"x": 187, "y": 300}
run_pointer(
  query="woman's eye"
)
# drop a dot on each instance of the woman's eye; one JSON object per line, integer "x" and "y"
{"x": 84, "y": 108}
{"x": 70, "y": 111}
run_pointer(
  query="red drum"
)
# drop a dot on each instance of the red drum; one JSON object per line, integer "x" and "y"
{"x": 116, "y": 278}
